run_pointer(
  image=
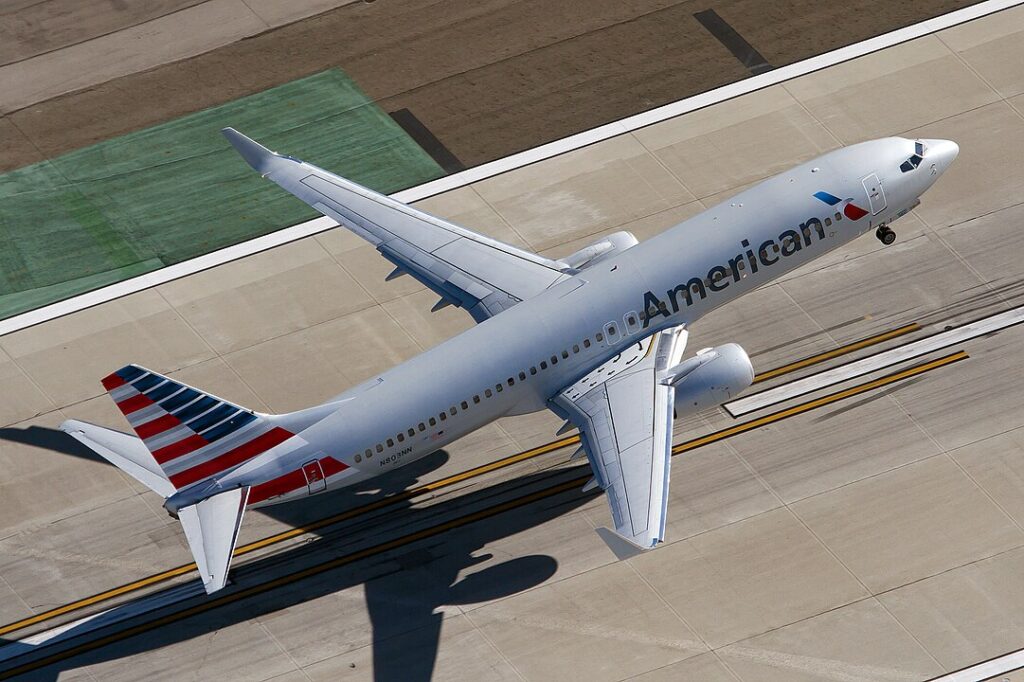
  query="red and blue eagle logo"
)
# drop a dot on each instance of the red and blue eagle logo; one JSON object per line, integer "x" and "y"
{"x": 850, "y": 210}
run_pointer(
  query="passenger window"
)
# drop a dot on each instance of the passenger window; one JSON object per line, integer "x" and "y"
{"x": 599, "y": 336}
{"x": 543, "y": 364}
{"x": 554, "y": 359}
{"x": 630, "y": 321}
{"x": 452, "y": 411}
{"x": 412, "y": 432}
{"x": 828, "y": 221}
{"x": 839, "y": 216}
{"x": 610, "y": 330}
{"x": 369, "y": 453}
{"x": 401, "y": 438}
{"x": 487, "y": 393}
{"x": 498, "y": 388}
{"x": 511, "y": 381}
{"x": 565, "y": 354}
{"x": 422, "y": 426}
{"x": 522, "y": 376}
{"x": 391, "y": 442}
{"x": 476, "y": 399}
{"x": 586, "y": 343}
{"x": 443, "y": 416}
{"x": 465, "y": 405}
{"x": 575, "y": 348}
{"x": 358, "y": 458}
{"x": 533, "y": 370}
{"x": 432, "y": 421}
{"x": 380, "y": 448}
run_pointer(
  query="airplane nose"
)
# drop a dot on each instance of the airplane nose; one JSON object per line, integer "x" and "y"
{"x": 941, "y": 153}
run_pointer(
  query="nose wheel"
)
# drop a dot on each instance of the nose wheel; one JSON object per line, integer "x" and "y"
{"x": 885, "y": 235}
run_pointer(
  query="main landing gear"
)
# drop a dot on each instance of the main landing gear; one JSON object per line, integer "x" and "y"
{"x": 885, "y": 235}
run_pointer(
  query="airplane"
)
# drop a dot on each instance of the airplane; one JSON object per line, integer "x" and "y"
{"x": 597, "y": 337}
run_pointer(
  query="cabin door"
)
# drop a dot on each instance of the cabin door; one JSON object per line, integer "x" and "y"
{"x": 314, "y": 476}
{"x": 876, "y": 196}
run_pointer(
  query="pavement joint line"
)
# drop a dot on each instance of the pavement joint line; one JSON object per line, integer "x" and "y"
{"x": 467, "y": 519}
{"x": 512, "y": 162}
{"x": 872, "y": 363}
{"x": 434, "y": 486}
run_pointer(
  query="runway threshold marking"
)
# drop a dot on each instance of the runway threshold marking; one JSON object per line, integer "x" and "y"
{"x": 837, "y": 352}
{"x": 479, "y": 515}
{"x": 412, "y": 493}
{"x": 873, "y": 363}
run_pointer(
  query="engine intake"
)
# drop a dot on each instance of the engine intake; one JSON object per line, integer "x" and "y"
{"x": 711, "y": 377}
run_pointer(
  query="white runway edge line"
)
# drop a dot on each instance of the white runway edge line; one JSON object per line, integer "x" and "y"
{"x": 873, "y": 363}
{"x": 987, "y": 670}
{"x": 34, "y": 644}
{"x": 525, "y": 158}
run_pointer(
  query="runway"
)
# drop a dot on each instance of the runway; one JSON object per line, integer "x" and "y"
{"x": 67, "y": 638}
{"x": 876, "y": 536}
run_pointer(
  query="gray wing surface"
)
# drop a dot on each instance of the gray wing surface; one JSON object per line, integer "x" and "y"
{"x": 624, "y": 413}
{"x": 466, "y": 269}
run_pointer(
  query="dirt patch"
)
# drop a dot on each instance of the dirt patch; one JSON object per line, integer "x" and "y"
{"x": 488, "y": 78}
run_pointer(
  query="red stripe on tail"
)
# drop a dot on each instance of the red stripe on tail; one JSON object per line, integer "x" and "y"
{"x": 158, "y": 425}
{"x": 133, "y": 404}
{"x": 256, "y": 446}
{"x": 181, "y": 447}
{"x": 113, "y": 381}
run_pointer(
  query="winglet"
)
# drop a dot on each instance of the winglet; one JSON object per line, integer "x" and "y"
{"x": 621, "y": 547}
{"x": 255, "y": 154}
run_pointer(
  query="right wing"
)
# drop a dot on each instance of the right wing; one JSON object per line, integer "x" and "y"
{"x": 624, "y": 414}
{"x": 464, "y": 268}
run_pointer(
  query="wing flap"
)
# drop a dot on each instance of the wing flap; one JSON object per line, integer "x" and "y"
{"x": 624, "y": 413}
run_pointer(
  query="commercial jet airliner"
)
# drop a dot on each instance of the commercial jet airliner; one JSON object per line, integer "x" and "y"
{"x": 597, "y": 337}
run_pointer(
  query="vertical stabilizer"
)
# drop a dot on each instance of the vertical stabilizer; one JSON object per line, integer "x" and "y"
{"x": 211, "y": 528}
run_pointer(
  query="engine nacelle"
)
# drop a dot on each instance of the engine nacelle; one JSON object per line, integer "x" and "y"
{"x": 711, "y": 377}
{"x": 603, "y": 249}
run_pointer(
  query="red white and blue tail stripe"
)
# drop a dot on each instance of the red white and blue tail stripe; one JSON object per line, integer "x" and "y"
{"x": 192, "y": 435}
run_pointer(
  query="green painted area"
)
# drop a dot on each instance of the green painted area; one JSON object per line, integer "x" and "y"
{"x": 168, "y": 193}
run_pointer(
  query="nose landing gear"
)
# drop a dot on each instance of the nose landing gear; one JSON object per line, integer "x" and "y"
{"x": 885, "y": 235}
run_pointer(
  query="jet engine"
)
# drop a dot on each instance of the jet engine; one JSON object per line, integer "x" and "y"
{"x": 600, "y": 250}
{"x": 711, "y": 377}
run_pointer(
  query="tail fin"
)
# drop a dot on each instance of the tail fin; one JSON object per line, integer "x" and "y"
{"x": 192, "y": 435}
{"x": 184, "y": 436}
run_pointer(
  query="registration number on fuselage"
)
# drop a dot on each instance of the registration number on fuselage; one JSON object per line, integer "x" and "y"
{"x": 393, "y": 459}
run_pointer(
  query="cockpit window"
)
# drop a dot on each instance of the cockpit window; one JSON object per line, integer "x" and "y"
{"x": 914, "y": 161}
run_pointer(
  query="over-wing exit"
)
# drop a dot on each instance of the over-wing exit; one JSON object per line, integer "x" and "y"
{"x": 597, "y": 337}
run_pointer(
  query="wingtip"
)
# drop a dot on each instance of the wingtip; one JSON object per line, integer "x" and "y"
{"x": 255, "y": 154}
{"x": 620, "y": 546}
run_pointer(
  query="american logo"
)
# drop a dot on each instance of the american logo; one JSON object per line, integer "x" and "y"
{"x": 768, "y": 253}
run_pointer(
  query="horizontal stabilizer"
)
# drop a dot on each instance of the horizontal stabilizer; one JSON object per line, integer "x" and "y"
{"x": 211, "y": 528}
{"x": 128, "y": 453}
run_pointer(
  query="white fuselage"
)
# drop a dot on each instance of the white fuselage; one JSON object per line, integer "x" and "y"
{"x": 514, "y": 362}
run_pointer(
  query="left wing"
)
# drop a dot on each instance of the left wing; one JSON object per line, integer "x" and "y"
{"x": 464, "y": 268}
{"x": 624, "y": 413}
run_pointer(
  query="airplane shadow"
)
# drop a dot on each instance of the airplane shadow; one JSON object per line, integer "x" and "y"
{"x": 404, "y": 589}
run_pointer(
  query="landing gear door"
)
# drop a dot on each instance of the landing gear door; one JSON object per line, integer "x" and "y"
{"x": 876, "y": 196}
{"x": 314, "y": 476}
